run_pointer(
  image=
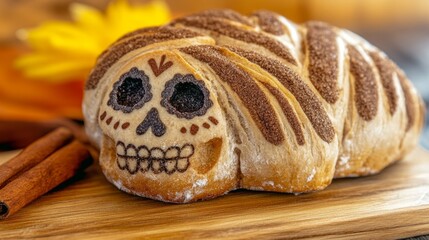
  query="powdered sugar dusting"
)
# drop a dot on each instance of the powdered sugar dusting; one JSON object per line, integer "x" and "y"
{"x": 178, "y": 196}
{"x": 268, "y": 183}
{"x": 188, "y": 196}
{"x": 344, "y": 160}
{"x": 118, "y": 183}
{"x": 311, "y": 176}
{"x": 345, "y": 154}
{"x": 200, "y": 183}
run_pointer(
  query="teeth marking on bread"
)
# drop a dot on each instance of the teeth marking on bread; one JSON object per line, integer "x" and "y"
{"x": 158, "y": 160}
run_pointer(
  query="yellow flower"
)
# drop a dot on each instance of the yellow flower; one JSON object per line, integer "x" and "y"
{"x": 64, "y": 51}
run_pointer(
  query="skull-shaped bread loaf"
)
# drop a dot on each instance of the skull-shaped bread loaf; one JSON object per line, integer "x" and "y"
{"x": 217, "y": 101}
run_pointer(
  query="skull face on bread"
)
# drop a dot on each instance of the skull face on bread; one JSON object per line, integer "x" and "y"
{"x": 218, "y": 101}
{"x": 158, "y": 119}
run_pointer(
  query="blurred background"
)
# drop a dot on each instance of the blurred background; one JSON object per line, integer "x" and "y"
{"x": 398, "y": 27}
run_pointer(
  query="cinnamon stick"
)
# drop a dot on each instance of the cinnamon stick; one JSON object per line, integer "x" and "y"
{"x": 34, "y": 154}
{"x": 55, "y": 169}
{"x": 15, "y": 134}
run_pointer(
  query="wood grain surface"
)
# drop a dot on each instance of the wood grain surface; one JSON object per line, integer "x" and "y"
{"x": 393, "y": 204}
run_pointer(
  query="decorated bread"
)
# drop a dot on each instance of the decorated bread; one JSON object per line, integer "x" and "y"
{"x": 217, "y": 101}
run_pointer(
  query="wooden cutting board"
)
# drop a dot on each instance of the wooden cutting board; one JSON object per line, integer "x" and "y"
{"x": 393, "y": 204}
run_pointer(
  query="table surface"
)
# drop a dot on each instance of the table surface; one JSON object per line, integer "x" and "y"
{"x": 392, "y": 204}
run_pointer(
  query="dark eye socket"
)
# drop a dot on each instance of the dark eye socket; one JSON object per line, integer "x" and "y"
{"x": 186, "y": 97}
{"x": 131, "y": 92}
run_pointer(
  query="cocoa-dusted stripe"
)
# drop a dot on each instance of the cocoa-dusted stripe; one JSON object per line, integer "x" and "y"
{"x": 137, "y": 32}
{"x": 121, "y": 48}
{"x": 366, "y": 95}
{"x": 269, "y": 22}
{"x": 323, "y": 59}
{"x": 288, "y": 112}
{"x": 222, "y": 27}
{"x": 225, "y": 14}
{"x": 386, "y": 69}
{"x": 308, "y": 101}
{"x": 146, "y": 31}
{"x": 246, "y": 89}
{"x": 409, "y": 101}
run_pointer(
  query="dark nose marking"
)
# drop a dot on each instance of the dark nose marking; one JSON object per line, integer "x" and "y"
{"x": 153, "y": 121}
